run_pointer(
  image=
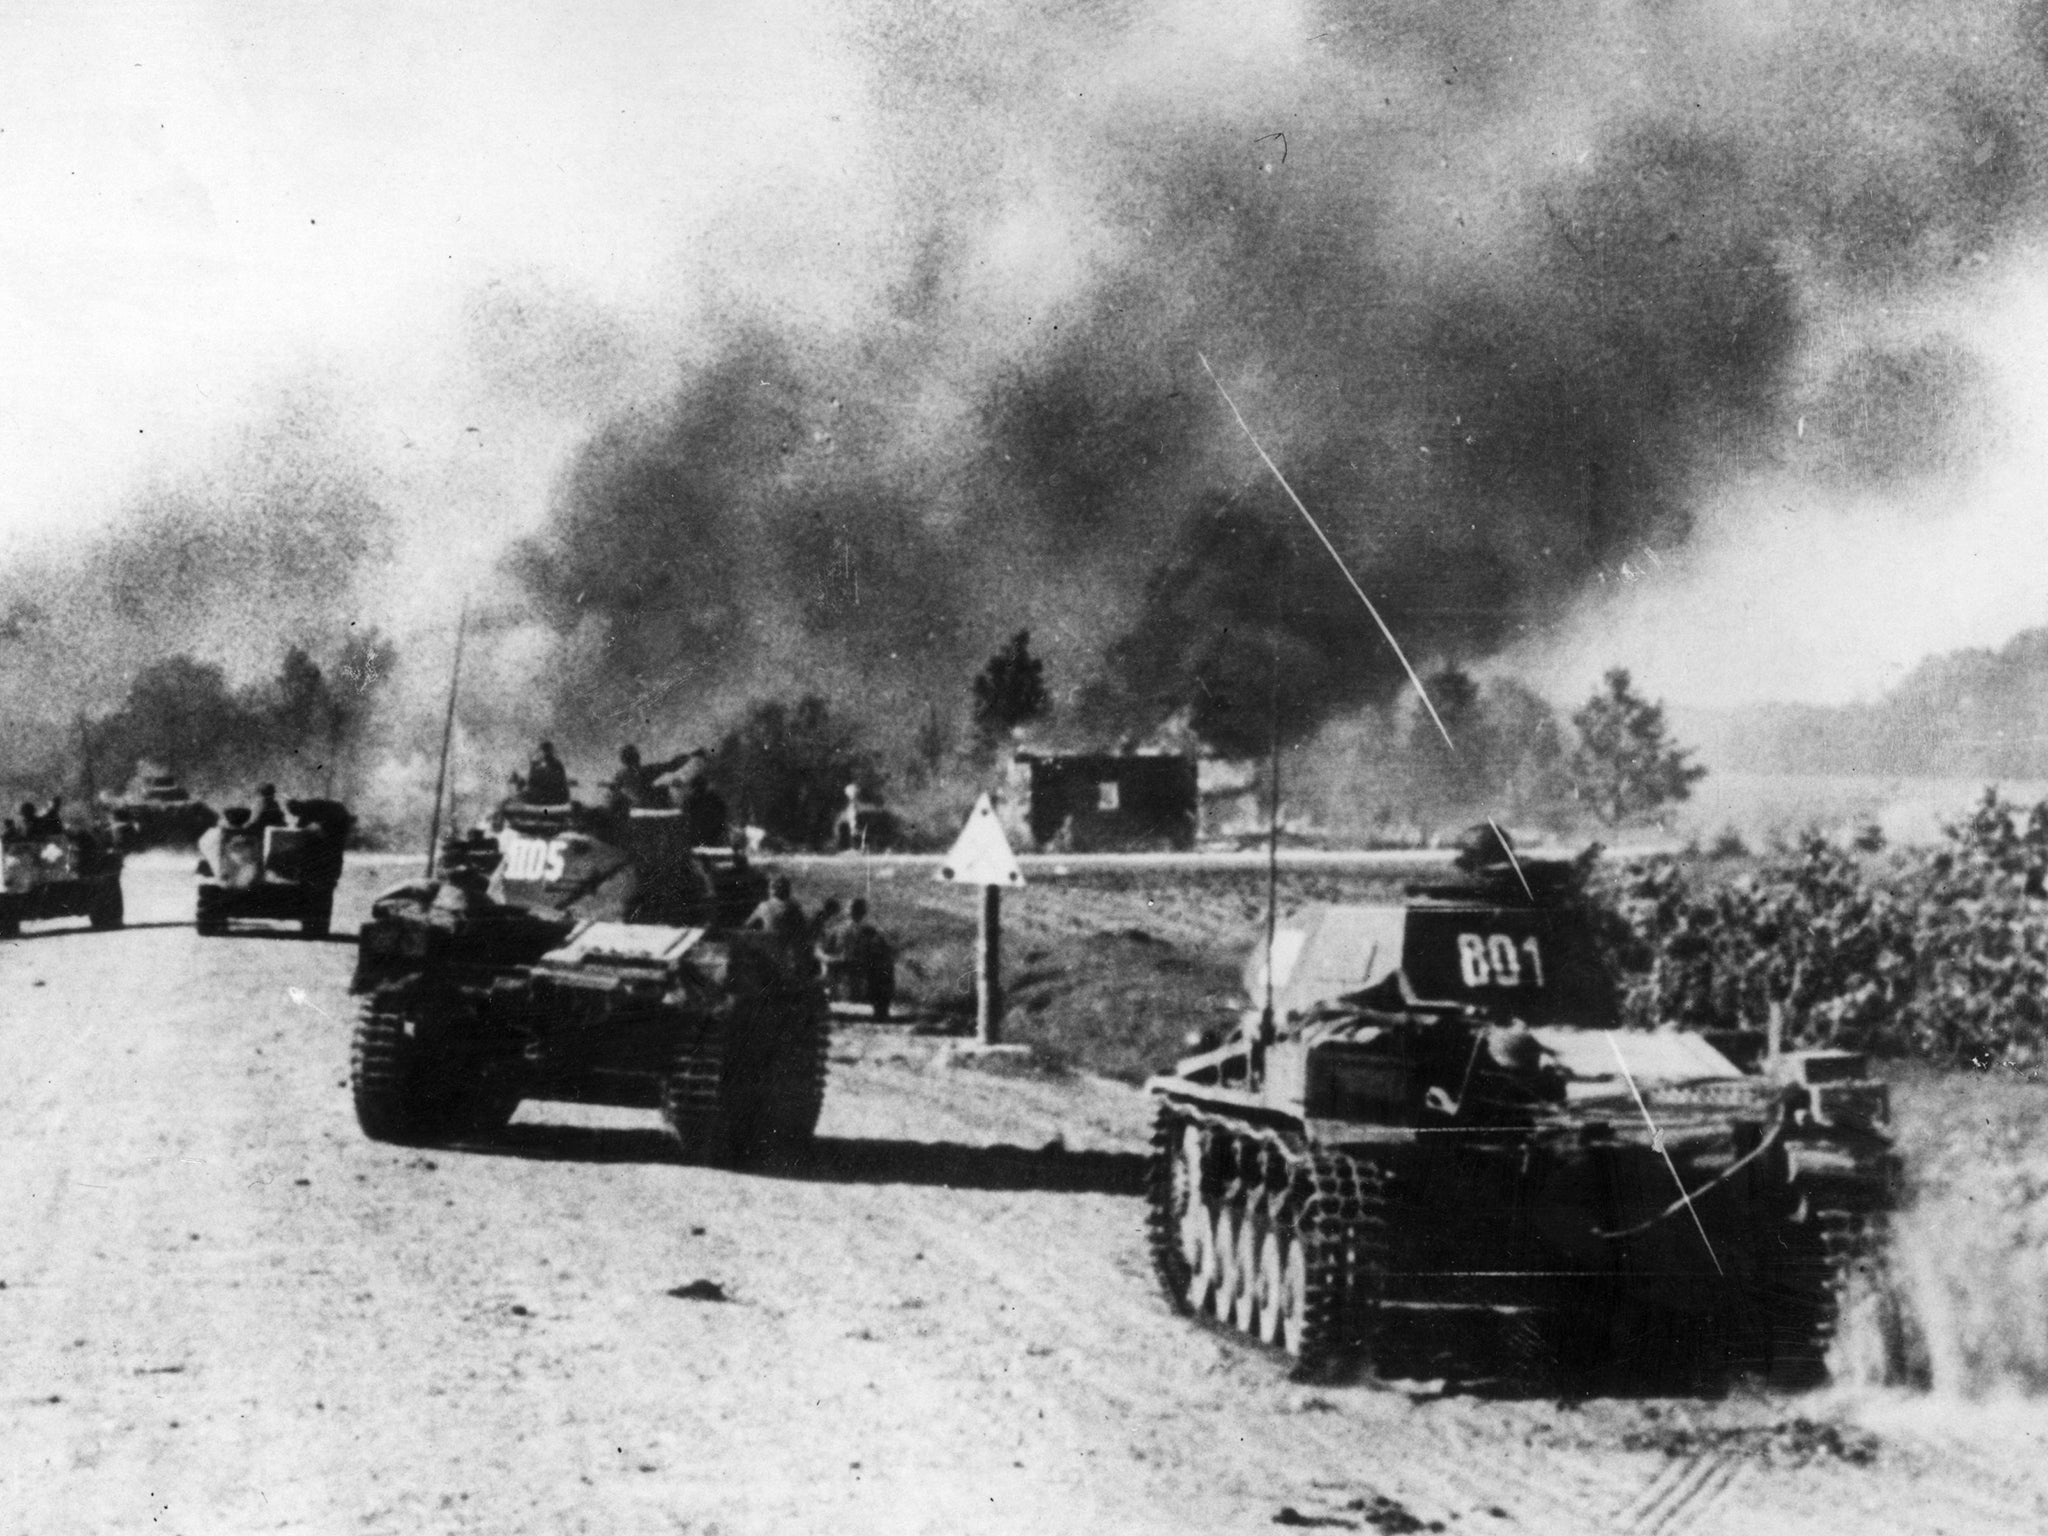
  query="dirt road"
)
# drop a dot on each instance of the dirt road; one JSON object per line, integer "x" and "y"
{"x": 226, "y": 1311}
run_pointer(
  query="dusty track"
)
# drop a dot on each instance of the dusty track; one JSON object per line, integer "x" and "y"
{"x": 226, "y": 1311}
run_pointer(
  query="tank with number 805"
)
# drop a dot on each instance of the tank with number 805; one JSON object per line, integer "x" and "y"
{"x": 586, "y": 955}
{"x": 1429, "y": 1147}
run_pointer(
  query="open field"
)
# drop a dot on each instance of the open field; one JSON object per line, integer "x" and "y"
{"x": 226, "y": 1311}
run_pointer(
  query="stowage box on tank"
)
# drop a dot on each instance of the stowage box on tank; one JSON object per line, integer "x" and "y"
{"x": 1440, "y": 1134}
{"x": 590, "y": 956}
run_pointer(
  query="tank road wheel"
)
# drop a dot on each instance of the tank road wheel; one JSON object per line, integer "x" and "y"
{"x": 1274, "y": 1248}
{"x": 1170, "y": 1194}
{"x": 391, "y": 1075}
{"x": 1198, "y": 1228}
{"x": 1230, "y": 1279}
{"x": 107, "y": 908}
{"x": 1249, "y": 1310}
{"x": 696, "y": 1105}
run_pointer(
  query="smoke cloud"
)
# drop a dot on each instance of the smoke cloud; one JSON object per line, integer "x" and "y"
{"x": 1533, "y": 305}
{"x": 1509, "y": 295}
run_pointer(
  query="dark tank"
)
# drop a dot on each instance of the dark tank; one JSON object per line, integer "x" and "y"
{"x": 588, "y": 956}
{"x": 1437, "y": 1154}
{"x": 159, "y": 812}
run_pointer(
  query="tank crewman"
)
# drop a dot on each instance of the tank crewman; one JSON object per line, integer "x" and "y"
{"x": 268, "y": 812}
{"x": 781, "y": 917}
{"x": 547, "y": 781}
{"x": 703, "y": 808}
{"x": 634, "y": 783}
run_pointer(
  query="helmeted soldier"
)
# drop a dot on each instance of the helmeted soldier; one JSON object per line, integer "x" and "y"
{"x": 547, "y": 781}
{"x": 268, "y": 812}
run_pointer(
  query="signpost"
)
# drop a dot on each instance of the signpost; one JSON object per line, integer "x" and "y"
{"x": 981, "y": 856}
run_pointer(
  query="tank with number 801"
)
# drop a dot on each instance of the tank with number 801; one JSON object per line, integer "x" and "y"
{"x": 587, "y": 955}
{"x": 1429, "y": 1148}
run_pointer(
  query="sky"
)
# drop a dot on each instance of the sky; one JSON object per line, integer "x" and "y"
{"x": 213, "y": 205}
{"x": 439, "y": 249}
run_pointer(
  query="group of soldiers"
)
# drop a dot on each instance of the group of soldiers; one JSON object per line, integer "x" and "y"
{"x": 842, "y": 945}
{"x": 638, "y": 785}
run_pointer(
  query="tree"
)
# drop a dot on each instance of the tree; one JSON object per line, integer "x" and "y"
{"x": 1626, "y": 766}
{"x": 785, "y": 768}
{"x": 181, "y": 713}
{"x": 1010, "y": 690}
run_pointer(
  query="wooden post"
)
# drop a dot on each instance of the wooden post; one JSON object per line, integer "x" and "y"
{"x": 988, "y": 968}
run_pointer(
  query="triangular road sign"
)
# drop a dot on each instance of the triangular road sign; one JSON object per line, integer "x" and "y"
{"x": 981, "y": 854}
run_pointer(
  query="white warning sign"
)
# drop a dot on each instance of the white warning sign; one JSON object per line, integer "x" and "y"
{"x": 981, "y": 854}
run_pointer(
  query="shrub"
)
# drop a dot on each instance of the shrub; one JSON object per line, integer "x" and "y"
{"x": 1940, "y": 953}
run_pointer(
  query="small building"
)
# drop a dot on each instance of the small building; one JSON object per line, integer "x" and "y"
{"x": 1107, "y": 801}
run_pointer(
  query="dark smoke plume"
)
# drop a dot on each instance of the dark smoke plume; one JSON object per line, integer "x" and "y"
{"x": 1506, "y": 290}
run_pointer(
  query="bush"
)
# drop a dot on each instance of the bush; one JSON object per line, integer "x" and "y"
{"x": 1938, "y": 953}
{"x": 785, "y": 768}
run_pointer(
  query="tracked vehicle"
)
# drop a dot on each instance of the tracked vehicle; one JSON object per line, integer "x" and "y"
{"x": 589, "y": 956}
{"x": 1434, "y": 1152}
{"x": 275, "y": 874}
{"x": 159, "y": 812}
{"x": 70, "y": 874}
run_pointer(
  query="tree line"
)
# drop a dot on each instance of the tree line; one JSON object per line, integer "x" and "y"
{"x": 306, "y": 723}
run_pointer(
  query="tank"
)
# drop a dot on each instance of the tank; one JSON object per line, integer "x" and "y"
{"x": 588, "y": 956}
{"x": 1436, "y": 1154}
{"x": 273, "y": 874}
{"x": 159, "y": 812}
{"x": 72, "y": 874}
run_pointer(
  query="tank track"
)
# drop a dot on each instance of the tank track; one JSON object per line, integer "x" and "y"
{"x": 796, "y": 1093}
{"x": 1833, "y": 1260}
{"x": 1284, "y": 1244}
{"x": 406, "y": 1095}
{"x": 697, "y": 1101}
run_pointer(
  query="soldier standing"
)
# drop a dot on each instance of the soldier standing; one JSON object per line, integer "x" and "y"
{"x": 781, "y": 917}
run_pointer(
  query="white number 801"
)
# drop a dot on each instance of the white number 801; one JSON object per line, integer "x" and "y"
{"x": 1495, "y": 960}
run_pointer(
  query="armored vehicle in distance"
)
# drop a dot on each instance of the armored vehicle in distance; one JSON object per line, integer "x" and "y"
{"x": 589, "y": 956}
{"x": 69, "y": 874}
{"x": 278, "y": 874}
{"x": 1434, "y": 1132}
{"x": 157, "y": 813}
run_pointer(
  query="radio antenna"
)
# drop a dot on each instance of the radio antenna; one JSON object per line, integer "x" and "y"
{"x": 1266, "y": 1021}
{"x": 447, "y": 739}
